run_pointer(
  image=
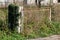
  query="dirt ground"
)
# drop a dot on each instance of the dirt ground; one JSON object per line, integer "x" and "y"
{"x": 54, "y": 37}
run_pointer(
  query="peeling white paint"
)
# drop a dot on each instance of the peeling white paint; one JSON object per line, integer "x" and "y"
{"x": 20, "y": 20}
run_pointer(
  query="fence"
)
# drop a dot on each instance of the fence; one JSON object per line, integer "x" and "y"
{"x": 34, "y": 17}
{"x": 37, "y": 13}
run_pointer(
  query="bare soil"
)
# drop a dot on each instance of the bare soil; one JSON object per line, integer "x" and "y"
{"x": 54, "y": 37}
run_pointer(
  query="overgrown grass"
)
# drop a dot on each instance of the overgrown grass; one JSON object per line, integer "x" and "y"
{"x": 44, "y": 30}
{"x": 33, "y": 26}
{"x": 11, "y": 36}
{"x": 5, "y": 34}
{"x": 37, "y": 24}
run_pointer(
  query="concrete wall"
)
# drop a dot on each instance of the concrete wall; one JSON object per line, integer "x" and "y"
{"x": 30, "y": 1}
{"x": 47, "y": 2}
{"x": 44, "y": 2}
{"x": 5, "y": 3}
{"x": 55, "y": 1}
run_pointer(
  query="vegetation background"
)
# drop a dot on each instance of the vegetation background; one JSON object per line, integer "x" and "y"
{"x": 36, "y": 23}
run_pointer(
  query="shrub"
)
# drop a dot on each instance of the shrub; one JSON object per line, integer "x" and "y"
{"x": 13, "y": 16}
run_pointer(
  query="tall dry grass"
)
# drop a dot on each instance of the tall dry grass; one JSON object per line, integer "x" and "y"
{"x": 34, "y": 18}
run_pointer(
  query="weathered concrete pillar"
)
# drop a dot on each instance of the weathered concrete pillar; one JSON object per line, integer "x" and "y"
{"x": 20, "y": 20}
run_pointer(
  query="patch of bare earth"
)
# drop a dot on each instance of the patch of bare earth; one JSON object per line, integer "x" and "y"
{"x": 54, "y": 37}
